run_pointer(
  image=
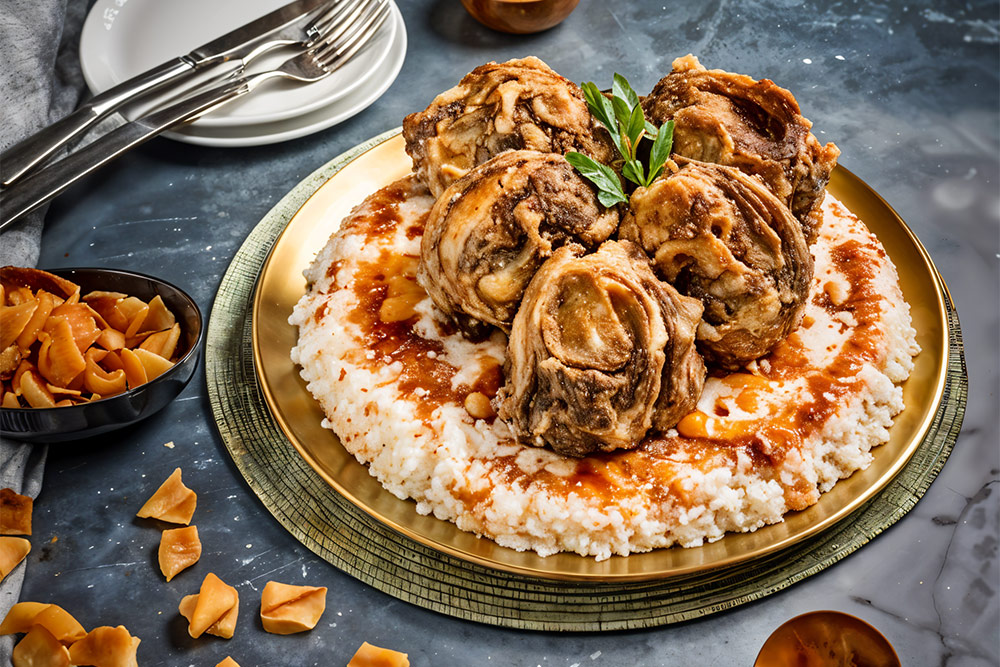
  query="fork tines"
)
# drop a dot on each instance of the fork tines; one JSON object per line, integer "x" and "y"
{"x": 335, "y": 20}
{"x": 355, "y": 32}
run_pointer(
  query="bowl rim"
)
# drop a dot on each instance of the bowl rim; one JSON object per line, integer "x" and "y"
{"x": 195, "y": 346}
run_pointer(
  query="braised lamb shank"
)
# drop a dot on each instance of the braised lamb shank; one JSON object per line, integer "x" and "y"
{"x": 498, "y": 107}
{"x": 721, "y": 236}
{"x": 600, "y": 352}
{"x": 488, "y": 233}
{"x": 732, "y": 119}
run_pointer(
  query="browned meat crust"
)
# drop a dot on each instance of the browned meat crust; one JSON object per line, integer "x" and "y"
{"x": 721, "y": 236}
{"x": 490, "y": 231}
{"x": 600, "y": 352}
{"x": 498, "y": 107}
{"x": 732, "y": 119}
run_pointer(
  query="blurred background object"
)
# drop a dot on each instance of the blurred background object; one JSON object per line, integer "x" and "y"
{"x": 826, "y": 638}
{"x": 520, "y": 16}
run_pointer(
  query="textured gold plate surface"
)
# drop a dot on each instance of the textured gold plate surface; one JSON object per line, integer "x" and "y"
{"x": 281, "y": 285}
{"x": 478, "y": 585}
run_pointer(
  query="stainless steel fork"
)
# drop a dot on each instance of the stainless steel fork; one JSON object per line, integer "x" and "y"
{"x": 316, "y": 63}
{"x": 363, "y": 19}
{"x": 315, "y": 25}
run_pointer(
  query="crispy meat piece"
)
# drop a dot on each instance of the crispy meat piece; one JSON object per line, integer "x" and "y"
{"x": 498, "y": 107}
{"x": 719, "y": 235}
{"x": 732, "y": 119}
{"x": 490, "y": 231}
{"x": 600, "y": 352}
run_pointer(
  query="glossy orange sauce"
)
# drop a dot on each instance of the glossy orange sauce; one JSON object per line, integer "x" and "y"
{"x": 652, "y": 465}
{"x": 425, "y": 379}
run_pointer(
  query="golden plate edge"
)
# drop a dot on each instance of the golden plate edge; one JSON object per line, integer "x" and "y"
{"x": 507, "y": 562}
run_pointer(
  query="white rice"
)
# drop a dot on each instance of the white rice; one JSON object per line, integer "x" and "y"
{"x": 470, "y": 472}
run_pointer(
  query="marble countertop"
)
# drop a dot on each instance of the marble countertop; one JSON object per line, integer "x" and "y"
{"x": 909, "y": 91}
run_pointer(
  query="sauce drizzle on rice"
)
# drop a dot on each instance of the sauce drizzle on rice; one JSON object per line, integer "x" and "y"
{"x": 762, "y": 442}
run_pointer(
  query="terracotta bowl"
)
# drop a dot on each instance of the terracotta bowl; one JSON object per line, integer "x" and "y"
{"x": 827, "y": 638}
{"x": 520, "y": 16}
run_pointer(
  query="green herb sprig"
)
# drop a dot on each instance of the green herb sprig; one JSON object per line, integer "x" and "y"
{"x": 622, "y": 115}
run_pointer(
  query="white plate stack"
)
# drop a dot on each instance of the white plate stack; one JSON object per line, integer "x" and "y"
{"x": 122, "y": 38}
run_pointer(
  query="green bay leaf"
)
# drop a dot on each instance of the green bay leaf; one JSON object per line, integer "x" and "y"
{"x": 633, "y": 171}
{"x": 636, "y": 126}
{"x": 599, "y": 105}
{"x": 660, "y": 152}
{"x": 622, "y": 89}
{"x": 603, "y": 110}
{"x": 622, "y": 111}
{"x": 609, "y": 199}
{"x": 608, "y": 185}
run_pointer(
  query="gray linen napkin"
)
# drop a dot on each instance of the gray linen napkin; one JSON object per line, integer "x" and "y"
{"x": 40, "y": 82}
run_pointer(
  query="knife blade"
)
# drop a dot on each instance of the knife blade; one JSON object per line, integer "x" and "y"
{"x": 290, "y": 22}
{"x": 240, "y": 42}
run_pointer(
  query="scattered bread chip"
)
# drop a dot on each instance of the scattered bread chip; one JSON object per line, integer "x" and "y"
{"x": 12, "y": 551}
{"x": 162, "y": 343}
{"x": 153, "y": 364}
{"x": 34, "y": 391}
{"x": 105, "y": 647}
{"x": 180, "y": 548}
{"x": 13, "y": 320}
{"x": 228, "y": 662}
{"x": 111, "y": 339}
{"x": 213, "y": 609}
{"x": 105, "y": 304}
{"x": 135, "y": 372}
{"x": 131, "y": 308}
{"x": 99, "y": 381}
{"x": 59, "y": 358}
{"x": 10, "y": 359}
{"x": 18, "y": 295}
{"x": 158, "y": 317}
{"x": 286, "y": 609}
{"x": 373, "y": 656}
{"x": 20, "y": 617}
{"x": 13, "y": 277}
{"x": 113, "y": 361}
{"x": 39, "y": 649}
{"x": 82, "y": 321}
{"x": 15, "y": 513}
{"x": 172, "y": 502}
{"x": 136, "y": 320}
{"x": 23, "y": 615}
{"x": 46, "y": 303}
{"x": 60, "y": 623}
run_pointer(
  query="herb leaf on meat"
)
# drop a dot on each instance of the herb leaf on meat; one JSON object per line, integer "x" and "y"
{"x": 609, "y": 188}
{"x": 660, "y": 152}
{"x": 621, "y": 114}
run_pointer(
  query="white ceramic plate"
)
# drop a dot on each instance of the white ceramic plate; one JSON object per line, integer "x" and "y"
{"x": 122, "y": 38}
{"x": 371, "y": 88}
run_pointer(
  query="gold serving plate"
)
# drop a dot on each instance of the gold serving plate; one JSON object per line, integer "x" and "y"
{"x": 281, "y": 284}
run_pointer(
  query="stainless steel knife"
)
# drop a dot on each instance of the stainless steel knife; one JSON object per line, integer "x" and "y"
{"x": 287, "y": 24}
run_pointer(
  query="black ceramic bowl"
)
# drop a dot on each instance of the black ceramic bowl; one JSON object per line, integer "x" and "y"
{"x": 90, "y": 419}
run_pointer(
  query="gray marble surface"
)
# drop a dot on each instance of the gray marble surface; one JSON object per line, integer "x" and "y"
{"x": 908, "y": 90}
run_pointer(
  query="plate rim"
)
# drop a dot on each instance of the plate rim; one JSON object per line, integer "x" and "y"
{"x": 920, "y": 431}
{"x": 349, "y": 540}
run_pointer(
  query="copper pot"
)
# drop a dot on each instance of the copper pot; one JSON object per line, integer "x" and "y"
{"x": 520, "y": 16}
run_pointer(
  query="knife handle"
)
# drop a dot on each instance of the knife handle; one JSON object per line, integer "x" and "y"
{"x": 35, "y": 189}
{"x": 23, "y": 156}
